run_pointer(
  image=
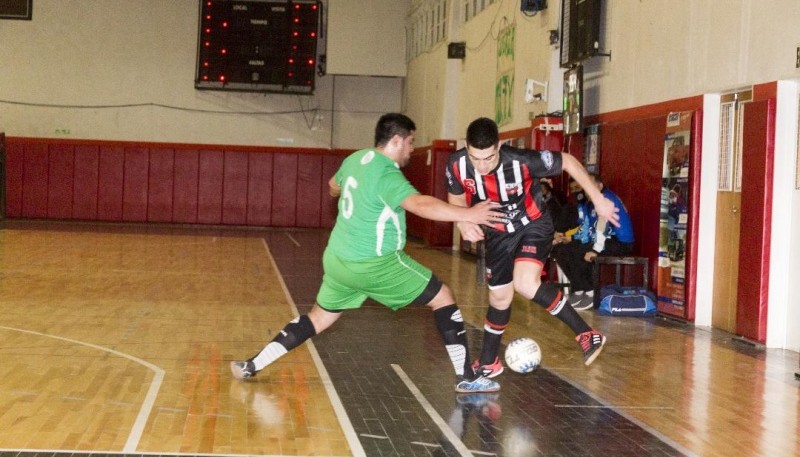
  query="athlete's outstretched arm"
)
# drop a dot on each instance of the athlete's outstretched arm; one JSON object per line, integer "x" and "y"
{"x": 436, "y": 210}
{"x": 469, "y": 231}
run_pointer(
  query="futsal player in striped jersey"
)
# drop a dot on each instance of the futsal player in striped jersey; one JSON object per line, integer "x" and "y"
{"x": 365, "y": 257}
{"x": 518, "y": 246}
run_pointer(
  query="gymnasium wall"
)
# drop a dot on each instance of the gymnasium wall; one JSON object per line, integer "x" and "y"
{"x": 657, "y": 52}
{"x": 195, "y": 184}
{"x": 124, "y": 71}
{"x": 169, "y": 183}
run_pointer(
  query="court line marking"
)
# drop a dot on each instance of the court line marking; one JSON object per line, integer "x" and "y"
{"x": 614, "y": 407}
{"x": 289, "y": 235}
{"x": 63, "y": 452}
{"x": 336, "y": 402}
{"x": 420, "y": 443}
{"x": 672, "y": 443}
{"x": 437, "y": 419}
{"x": 377, "y": 437}
{"x": 149, "y": 400}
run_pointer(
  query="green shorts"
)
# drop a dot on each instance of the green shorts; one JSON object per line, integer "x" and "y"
{"x": 393, "y": 280}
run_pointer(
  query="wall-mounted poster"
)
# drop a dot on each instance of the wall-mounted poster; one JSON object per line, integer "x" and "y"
{"x": 674, "y": 215}
{"x": 591, "y": 153}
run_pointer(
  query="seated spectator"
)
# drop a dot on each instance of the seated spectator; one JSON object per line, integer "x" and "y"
{"x": 607, "y": 241}
{"x": 573, "y": 239}
{"x": 611, "y": 240}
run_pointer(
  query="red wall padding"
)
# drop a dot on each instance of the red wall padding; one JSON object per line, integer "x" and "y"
{"x": 692, "y": 236}
{"x": 234, "y": 188}
{"x": 85, "y": 182}
{"x": 160, "y": 185}
{"x": 135, "y": 185}
{"x": 284, "y": 190}
{"x": 185, "y": 187}
{"x": 758, "y": 151}
{"x": 133, "y": 182}
{"x": 631, "y": 155}
{"x": 259, "y": 191}
{"x": 209, "y": 188}
{"x": 15, "y": 155}
{"x": 309, "y": 190}
{"x": 419, "y": 175}
{"x": 425, "y": 171}
{"x": 109, "y": 190}
{"x": 60, "y": 173}
{"x": 34, "y": 181}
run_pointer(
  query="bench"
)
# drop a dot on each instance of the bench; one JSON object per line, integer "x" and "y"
{"x": 619, "y": 263}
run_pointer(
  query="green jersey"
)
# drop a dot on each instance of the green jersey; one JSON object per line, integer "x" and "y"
{"x": 371, "y": 223}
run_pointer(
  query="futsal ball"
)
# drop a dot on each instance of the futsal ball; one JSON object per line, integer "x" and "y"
{"x": 523, "y": 355}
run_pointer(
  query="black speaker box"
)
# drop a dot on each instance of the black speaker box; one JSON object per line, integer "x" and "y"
{"x": 457, "y": 50}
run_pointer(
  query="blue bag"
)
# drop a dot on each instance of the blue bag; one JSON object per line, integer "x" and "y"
{"x": 627, "y": 301}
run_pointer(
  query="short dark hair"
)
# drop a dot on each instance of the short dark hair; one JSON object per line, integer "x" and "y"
{"x": 482, "y": 133}
{"x": 392, "y": 124}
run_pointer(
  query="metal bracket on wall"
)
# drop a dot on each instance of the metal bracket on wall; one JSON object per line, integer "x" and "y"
{"x": 602, "y": 54}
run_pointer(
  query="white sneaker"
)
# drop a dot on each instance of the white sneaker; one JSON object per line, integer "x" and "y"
{"x": 574, "y": 298}
{"x": 243, "y": 369}
{"x": 586, "y": 302}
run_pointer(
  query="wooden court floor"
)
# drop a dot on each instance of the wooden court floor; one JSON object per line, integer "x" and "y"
{"x": 116, "y": 340}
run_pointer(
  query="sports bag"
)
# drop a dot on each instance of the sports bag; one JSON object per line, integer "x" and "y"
{"x": 627, "y": 301}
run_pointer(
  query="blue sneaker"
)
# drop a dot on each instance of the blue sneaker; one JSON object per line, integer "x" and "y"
{"x": 477, "y": 385}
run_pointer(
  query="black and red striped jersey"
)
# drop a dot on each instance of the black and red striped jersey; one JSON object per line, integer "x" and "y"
{"x": 514, "y": 182}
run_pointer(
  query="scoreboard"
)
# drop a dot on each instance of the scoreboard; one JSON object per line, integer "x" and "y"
{"x": 258, "y": 45}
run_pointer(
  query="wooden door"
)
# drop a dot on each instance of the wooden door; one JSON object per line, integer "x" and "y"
{"x": 729, "y": 188}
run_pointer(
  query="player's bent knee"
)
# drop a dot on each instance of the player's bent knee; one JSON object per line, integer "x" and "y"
{"x": 436, "y": 294}
{"x": 527, "y": 288}
{"x": 321, "y": 318}
{"x": 296, "y": 332}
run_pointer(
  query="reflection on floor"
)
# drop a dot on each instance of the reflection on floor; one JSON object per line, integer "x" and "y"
{"x": 75, "y": 297}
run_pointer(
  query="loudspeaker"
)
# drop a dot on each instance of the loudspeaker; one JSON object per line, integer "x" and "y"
{"x": 457, "y": 50}
{"x": 532, "y": 6}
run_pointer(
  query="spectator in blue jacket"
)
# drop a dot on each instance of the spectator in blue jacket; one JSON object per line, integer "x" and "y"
{"x": 573, "y": 243}
{"x": 611, "y": 240}
{"x": 600, "y": 238}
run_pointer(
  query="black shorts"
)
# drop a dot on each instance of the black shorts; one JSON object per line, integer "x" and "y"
{"x": 503, "y": 249}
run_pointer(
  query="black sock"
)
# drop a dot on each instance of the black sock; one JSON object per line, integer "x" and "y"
{"x": 493, "y": 328}
{"x": 451, "y": 326}
{"x": 293, "y": 334}
{"x": 549, "y": 297}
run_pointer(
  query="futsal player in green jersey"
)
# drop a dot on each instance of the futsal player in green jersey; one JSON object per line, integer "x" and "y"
{"x": 365, "y": 257}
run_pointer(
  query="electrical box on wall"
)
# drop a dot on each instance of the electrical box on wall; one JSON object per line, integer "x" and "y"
{"x": 535, "y": 91}
{"x": 258, "y": 45}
